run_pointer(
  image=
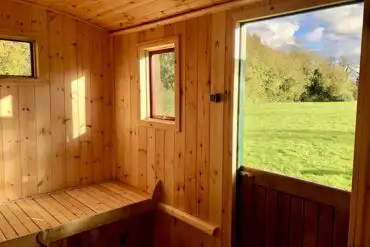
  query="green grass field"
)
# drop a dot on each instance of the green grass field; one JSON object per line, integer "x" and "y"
{"x": 311, "y": 141}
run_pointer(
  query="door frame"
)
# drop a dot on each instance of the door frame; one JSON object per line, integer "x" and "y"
{"x": 360, "y": 197}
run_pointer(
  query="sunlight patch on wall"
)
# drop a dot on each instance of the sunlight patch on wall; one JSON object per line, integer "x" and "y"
{"x": 78, "y": 89}
{"x": 6, "y": 107}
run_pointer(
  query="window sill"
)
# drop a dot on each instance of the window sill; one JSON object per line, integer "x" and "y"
{"x": 159, "y": 124}
{"x": 18, "y": 81}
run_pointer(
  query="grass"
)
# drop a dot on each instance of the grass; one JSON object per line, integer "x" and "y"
{"x": 311, "y": 141}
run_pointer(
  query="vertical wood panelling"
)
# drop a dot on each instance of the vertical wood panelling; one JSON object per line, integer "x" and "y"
{"x": 203, "y": 133}
{"x": 40, "y": 124}
{"x": 182, "y": 159}
{"x": 191, "y": 104}
{"x": 58, "y": 137}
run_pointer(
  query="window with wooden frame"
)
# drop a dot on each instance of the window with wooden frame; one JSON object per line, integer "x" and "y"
{"x": 160, "y": 83}
{"x": 17, "y": 59}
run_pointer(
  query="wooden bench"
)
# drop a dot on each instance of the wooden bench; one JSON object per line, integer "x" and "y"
{"x": 44, "y": 219}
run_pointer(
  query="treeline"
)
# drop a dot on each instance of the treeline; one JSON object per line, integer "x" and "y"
{"x": 15, "y": 58}
{"x": 297, "y": 75}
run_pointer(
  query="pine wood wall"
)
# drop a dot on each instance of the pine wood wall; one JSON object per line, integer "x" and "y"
{"x": 189, "y": 162}
{"x": 56, "y": 133}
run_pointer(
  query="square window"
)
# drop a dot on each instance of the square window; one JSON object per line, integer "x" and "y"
{"x": 162, "y": 84}
{"x": 159, "y": 83}
{"x": 16, "y": 58}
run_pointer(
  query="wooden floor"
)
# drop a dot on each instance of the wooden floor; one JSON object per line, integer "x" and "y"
{"x": 32, "y": 215}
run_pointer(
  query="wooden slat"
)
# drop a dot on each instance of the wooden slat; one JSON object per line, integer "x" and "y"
{"x": 89, "y": 201}
{"x": 159, "y": 156}
{"x": 72, "y": 204}
{"x": 296, "y": 221}
{"x": 123, "y": 192}
{"x": 326, "y": 226}
{"x": 42, "y": 212}
{"x": 33, "y": 215}
{"x": 11, "y": 144}
{"x": 271, "y": 218}
{"x": 142, "y": 158}
{"x": 260, "y": 216}
{"x": 283, "y": 219}
{"x": 203, "y": 133}
{"x": 109, "y": 192}
{"x": 57, "y": 96}
{"x": 26, "y": 220}
{"x": 13, "y": 221}
{"x": 7, "y": 230}
{"x": 151, "y": 176}
{"x": 102, "y": 197}
{"x": 56, "y": 209}
{"x": 71, "y": 102}
{"x": 191, "y": 104}
{"x": 310, "y": 224}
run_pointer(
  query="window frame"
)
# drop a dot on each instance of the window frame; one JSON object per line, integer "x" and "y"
{"x": 32, "y": 47}
{"x": 145, "y": 51}
{"x": 151, "y": 84}
{"x": 39, "y": 54}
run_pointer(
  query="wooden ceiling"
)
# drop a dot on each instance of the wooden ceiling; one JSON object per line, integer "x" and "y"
{"x": 121, "y": 14}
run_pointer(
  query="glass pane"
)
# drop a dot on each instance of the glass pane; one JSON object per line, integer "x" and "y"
{"x": 15, "y": 58}
{"x": 163, "y": 85}
{"x": 301, "y": 75}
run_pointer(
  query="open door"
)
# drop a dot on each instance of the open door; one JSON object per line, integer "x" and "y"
{"x": 299, "y": 78}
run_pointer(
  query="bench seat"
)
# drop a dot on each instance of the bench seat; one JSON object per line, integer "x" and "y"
{"x": 46, "y": 218}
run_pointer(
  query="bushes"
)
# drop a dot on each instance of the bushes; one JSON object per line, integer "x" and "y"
{"x": 297, "y": 75}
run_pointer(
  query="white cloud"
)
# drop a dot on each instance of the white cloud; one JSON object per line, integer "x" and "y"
{"x": 276, "y": 33}
{"x": 343, "y": 20}
{"x": 315, "y": 35}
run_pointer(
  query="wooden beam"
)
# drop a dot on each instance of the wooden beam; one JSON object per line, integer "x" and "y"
{"x": 185, "y": 16}
{"x": 195, "y": 222}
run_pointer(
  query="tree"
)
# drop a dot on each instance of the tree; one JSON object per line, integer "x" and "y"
{"x": 167, "y": 64}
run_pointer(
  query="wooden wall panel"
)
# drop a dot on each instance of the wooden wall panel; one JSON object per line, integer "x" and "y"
{"x": 182, "y": 160}
{"x": 56, "y": 133}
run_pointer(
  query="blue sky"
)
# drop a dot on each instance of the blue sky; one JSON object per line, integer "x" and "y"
{"x": 333, "y": 32}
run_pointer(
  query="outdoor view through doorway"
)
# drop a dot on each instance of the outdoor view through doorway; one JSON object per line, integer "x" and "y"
{"x": 298, "y": 94}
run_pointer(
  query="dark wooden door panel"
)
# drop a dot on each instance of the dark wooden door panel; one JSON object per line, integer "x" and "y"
{"x": 279, "y": 211}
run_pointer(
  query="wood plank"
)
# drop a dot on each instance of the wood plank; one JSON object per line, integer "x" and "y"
{"x": 142, "y": 158}
{"x": 57, "y": 96}
{"x": 27, "y": 130}
{"x": 134, "y": 108}
{"x": 13, "y": 221}
{"x": 179, "y": 200}
{"x": 11, "y": 144}
{"x": 151, "y": 176}
{"x": 102, "y": 197}
{"x": 203, "y": 133}
{"x": 169, "y": 168}
{"x": 33, "y": 214}
{"x": 87, "y": 200}
{"x": 7, "y": 230}
{"x": 271, "y": 218}
{"x": 72, "y": 204}
{"x": 217, "y": 114}
{"x": 191, "y": 104}
{"x": 84, "y": 99}
{"x": 310, "y": 224}
{"x": 296, "y": 221}
{"x": 71, "y": 101}
{"x": 42, "y": 212}
{"x": 26, "y": 221}
{"x": 326, "y": 227}
{"x": 283, "y": 219}
{"x": 123, "y": 192}
{"x": 116, "y": 196}
{"x": 260, "y": 216}
{"x": 2, "y": 237}
{"x": 55, "y": 209}
{"x": 159, "y": 156}
{"x": 97, "y": 105}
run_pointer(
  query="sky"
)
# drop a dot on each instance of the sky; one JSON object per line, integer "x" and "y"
{"x": 332, "y": 32}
